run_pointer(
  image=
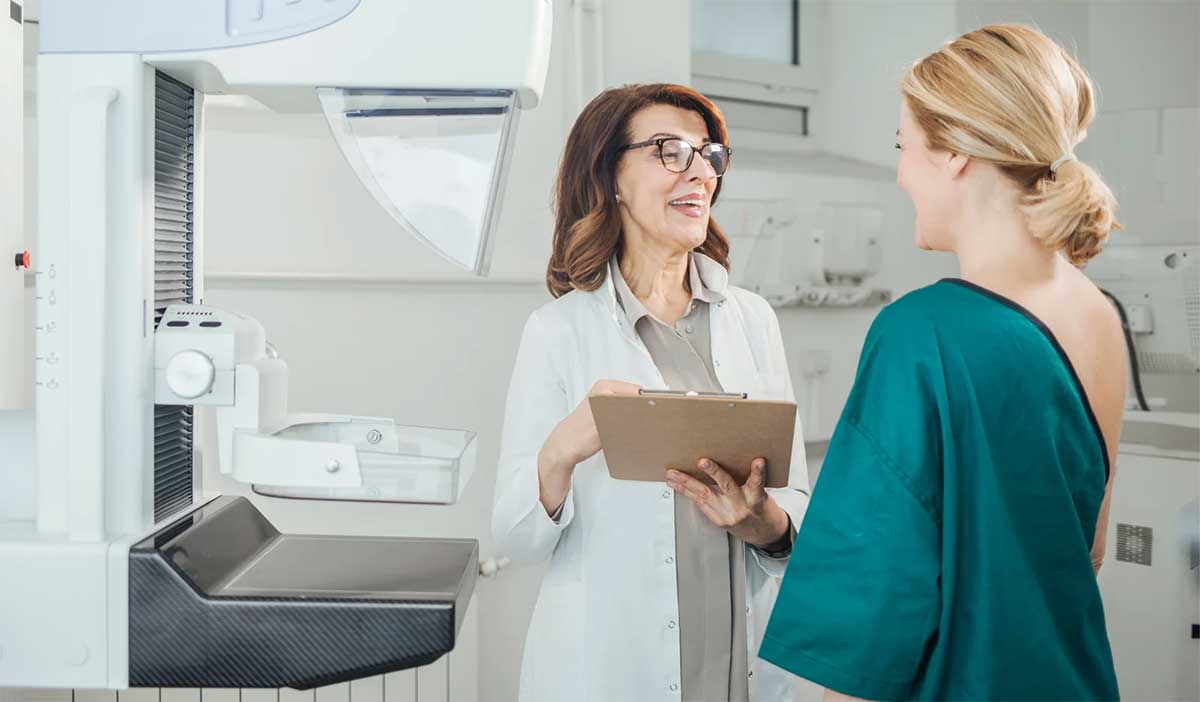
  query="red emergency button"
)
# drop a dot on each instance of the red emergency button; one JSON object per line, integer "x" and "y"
{"x": 22, "y": 259}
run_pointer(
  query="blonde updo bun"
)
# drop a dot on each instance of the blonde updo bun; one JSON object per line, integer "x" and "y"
{"x": 1009, "y": 95}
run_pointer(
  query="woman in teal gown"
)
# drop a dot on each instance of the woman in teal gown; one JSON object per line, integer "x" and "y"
{"x": 950, "y": 546}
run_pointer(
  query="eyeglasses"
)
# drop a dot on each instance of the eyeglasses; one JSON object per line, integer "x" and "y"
{"x": 676, "y": 154}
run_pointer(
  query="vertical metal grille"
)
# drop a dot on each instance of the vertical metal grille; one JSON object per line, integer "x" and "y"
{"x": 1135, "y": 544}
{"x": 1191, "y": 305}
{"x": 174, "y": 120}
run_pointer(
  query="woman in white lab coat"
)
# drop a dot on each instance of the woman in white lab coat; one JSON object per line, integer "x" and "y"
{"x": 654, "y": 590}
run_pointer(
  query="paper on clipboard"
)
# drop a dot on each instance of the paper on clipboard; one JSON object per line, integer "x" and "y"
{"x": 644, "y": 435}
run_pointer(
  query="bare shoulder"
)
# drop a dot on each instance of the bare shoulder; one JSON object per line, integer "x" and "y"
{"x": 1100, "y": 354}
{"x": 1101, "y": 318}
{"x": 1087, "y": 328}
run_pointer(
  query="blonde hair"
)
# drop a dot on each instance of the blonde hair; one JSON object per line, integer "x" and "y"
{"x": 1007, "y": 94}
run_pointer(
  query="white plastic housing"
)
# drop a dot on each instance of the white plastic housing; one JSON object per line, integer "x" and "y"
{"x": 208, "y": 356}
{"x": 225, "y": 338}
{"x": 15, "y": 382}
{"x": 397, "y": 463}
{"x": 459, "y": 45}
{"x": 422, "y": 97}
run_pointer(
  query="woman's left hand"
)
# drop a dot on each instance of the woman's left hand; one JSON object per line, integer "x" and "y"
{"x": 746, "y": 510}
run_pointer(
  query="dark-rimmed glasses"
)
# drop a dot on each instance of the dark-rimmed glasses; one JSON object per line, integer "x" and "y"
{"x": 677, "y": 155}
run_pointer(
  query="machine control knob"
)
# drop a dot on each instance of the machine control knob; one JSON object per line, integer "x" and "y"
{"x": 190, "y": 374}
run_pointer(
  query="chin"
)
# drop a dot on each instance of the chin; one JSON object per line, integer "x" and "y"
{"x": 693, "y": 238}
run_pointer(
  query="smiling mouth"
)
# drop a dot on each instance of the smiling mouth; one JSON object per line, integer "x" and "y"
{"x": 690, "y": 206}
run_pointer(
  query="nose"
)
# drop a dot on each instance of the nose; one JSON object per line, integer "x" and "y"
{"x": 701, "y": 171}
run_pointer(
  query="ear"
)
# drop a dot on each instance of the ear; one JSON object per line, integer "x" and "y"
{"x": 956, "y": 164}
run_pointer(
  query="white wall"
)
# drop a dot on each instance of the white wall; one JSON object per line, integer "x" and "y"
{"x": 1145, "y": 54}
{"x": 1145, "y": 62}
{"x": 646, "y": 42}
{"x": 1064, "y": 21}
{"x": 869, "y": 46}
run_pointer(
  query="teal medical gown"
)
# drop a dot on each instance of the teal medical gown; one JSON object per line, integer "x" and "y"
{"x": 946, "y": 551}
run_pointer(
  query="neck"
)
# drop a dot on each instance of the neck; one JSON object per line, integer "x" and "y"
{"x": 996, "y": 249}
{"x": 658, "y": 277}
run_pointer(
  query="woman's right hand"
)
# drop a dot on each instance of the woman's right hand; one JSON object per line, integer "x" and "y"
{"x": 573, "y": 441}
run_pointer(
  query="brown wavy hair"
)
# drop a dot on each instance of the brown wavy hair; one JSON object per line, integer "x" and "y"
{"x": 587, "y": 225}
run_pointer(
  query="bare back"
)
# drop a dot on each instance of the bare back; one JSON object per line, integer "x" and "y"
{"x": 1089, "y": 331}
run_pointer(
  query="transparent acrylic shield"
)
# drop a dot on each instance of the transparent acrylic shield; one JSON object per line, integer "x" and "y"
{"x": 434, "y": 159}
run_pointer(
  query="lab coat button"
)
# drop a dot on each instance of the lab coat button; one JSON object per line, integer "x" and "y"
{"x": 666, "y": 494}
{"x": 671, "y": 624}
{"x": 674, "y": 687}
{"x": 670, "y": 560}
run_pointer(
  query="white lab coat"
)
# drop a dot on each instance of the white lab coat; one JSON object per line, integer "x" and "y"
{"x": 604, "y": 627}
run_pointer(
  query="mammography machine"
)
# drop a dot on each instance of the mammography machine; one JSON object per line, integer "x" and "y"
{"x": 1151, "y": 574}
{"x": 116, "y": 572}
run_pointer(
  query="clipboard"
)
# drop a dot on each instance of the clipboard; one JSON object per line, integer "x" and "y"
{"x": 643, "y": 435}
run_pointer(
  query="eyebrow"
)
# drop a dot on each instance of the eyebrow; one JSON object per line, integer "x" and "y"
{"x": 669, "y": 135}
